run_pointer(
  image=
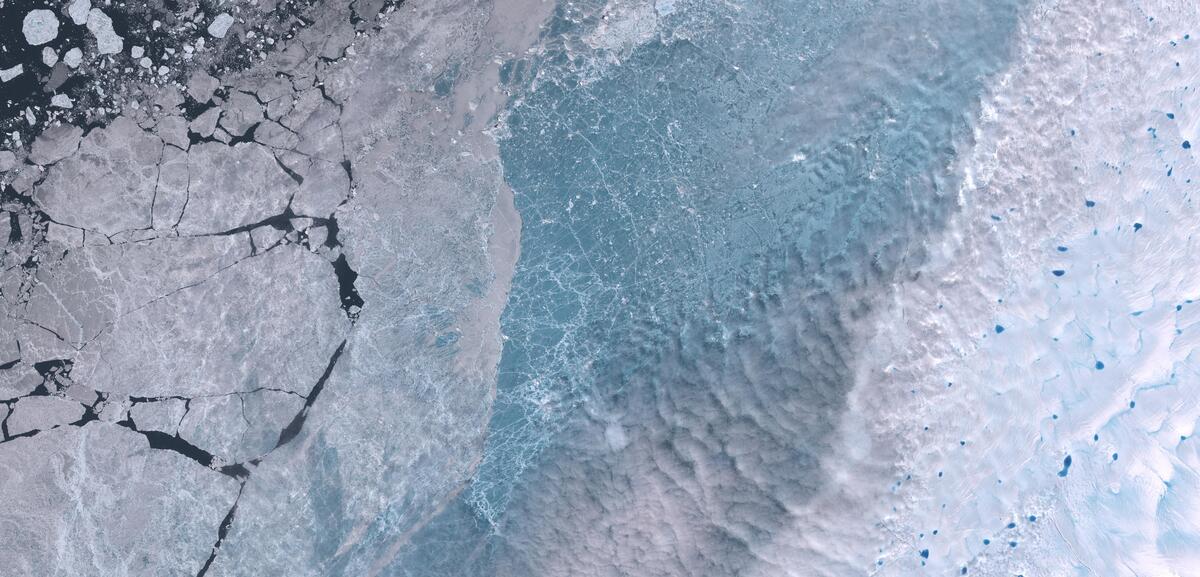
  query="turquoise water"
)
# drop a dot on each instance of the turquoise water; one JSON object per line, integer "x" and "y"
{"x": 709, "y": 218}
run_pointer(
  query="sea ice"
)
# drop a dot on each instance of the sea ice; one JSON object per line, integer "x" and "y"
{"x": 101, "y": 27}
{"x": 78, "y": 11}
{"x": 220, "y": 25}
{"x": 73, "y": 57}
{"x": 39, "y": 27}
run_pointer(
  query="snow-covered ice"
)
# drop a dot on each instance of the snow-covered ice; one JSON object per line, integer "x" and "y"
{"x": 39, "y": 27}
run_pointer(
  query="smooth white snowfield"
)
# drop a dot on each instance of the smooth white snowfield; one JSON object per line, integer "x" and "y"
{"x": 985, "y": 373}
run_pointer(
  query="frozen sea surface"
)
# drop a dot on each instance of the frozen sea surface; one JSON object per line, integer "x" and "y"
{"x": 533, "y": 288}
{"x": 713, "y": 198}
{"x": 854, "y": 290}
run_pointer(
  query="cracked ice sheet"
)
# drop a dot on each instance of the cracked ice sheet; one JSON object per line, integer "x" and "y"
{"x": 114, "y": 183}
{"x": 230, "y": 187}
{"x": 108, "y": 185}
{"x": 99, "y": 498}
{"x": 247, "y": 322}
{"x": 240, "y": 427}
{"x": 398, "y": 427}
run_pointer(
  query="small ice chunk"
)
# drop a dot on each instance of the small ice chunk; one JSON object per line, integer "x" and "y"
{"x": 61, "y": 101}
{"x": 145, "y": 62}
{"x": 40, "y": 26}
{"x": 8, "y": 160}
{"x": 137, "y": 51}
{"x": 73, "y": 57}
{"x": 206, "y": 123}
{"x": 10, "y": 73}
{"x": 107, "y": 39}
{"x": 163, "y": 70}
{"x": 78, "y": 11}
{"x": 49, "y": 57}
{"x": 220, "y": 25}
{"x": 201, "y": 86}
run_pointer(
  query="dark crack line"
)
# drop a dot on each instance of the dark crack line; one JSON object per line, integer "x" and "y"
{"x": 177, "y": 444}
{"x": 89, "y": 414}
{"x": 157, "y": 182}
{"x": 8, "y": 411}
{"x": 53, "y": 372}
{"x": 159, "y": 399}
{"x": 299, "y": 180}
{"x": 49, "y": 330}
{"x": 293, "y": 428}
{"x": 281, "y": 222}
{"x": 56, "y": 373}
{"x": 14, "y": 230}
{"x": 348, "y": 295}
{"x": 286, "y": 436}
{"x": 352, "y": 302}
{"x": 222, "y": 531}
{"x": 111, "y": 323}
{"x": 187, "y": 410}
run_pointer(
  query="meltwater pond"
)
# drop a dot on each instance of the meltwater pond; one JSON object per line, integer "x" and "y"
{"x": 712, "y": 196}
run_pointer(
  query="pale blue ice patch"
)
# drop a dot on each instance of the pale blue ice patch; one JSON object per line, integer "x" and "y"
{"x": 707, "y": 209}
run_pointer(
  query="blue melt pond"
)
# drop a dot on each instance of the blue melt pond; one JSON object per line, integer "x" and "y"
{"x": 1099, "y": 366}
{"x": 1066, "y": 467}
{"x": 999, "y": 329}
{"x": 1059, "y": 272}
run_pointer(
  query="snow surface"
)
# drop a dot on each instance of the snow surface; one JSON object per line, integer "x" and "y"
{"x": 1027, "y": 405}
